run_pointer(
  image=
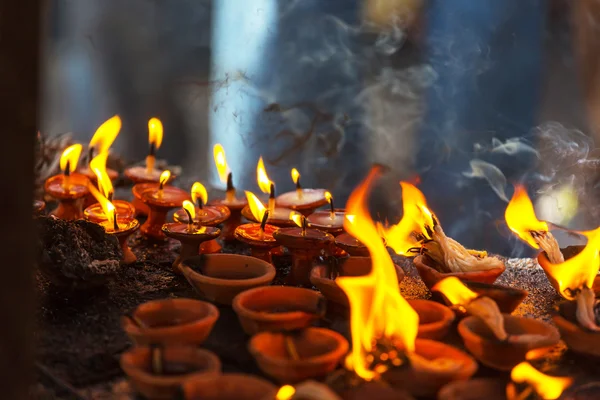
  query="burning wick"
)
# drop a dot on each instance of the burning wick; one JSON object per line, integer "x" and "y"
{"x": 296, "y": 179}
{"x": 190, "y": 210}
{"x": 272, "y": 198}
{"x": 300, "y": 220}
{"x": 263, "y": 223}
{"x": 329, "y": 198}
{"x": 265, "y": 184}
{"x": 164, "y": 178}
{"x": 199, "y": 194}
{"x": 223, "y": 170}
{"x": 547, "y": 387}
{"x": 230, "y": 194}
{"x": 155, "y": 135}
{"x": 68, "y": 163}
{"x": 115, "y": 222}
{"x": 104, "y": 137}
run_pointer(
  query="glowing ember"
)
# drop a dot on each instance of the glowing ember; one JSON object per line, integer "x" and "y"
{"x": 221, "y": 162}
{"x": 70, "y": 158}
{"x": 285, "y": 392}
{"x": 199, "y": 194}
{"x": 155, "y": 137}
{"x": 105, "y": 135}
{"x": 98, "y": 165}
{"x": 547, "y": 387}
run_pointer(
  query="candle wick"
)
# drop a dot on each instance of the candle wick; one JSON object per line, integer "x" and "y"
{"x": 67, "y": 171}
{"x": 152, "y": 150}
{"x": 200, "y": 203}
{"x": 272, "y": 198}
{"x": 230, "y": 186}
{"x": 304, "y": 224}
{"x": 90, "y": 153}
{"x": 263, "y": 223}
{"x": 332, "y": 209}
{"x": 115, "y": 222}
{"x": 190, "y": 226}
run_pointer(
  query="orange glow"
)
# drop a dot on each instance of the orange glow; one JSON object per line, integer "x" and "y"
{"x": 256, "y": 206}
{"x": 155, "y": 132}
{"x": 285, "y": 392}
{"x": 455, "y": 291}
{"x": 328, "y": 197}
{"x": 416, "y": 216}
{"x": 350, "y": 218}
{"x": 221, "y": 162}
{"x": 547, "y": 387}
{"x": 520, "y": 217}
{"x": 164, "y": 177}
{"x": 264, "y": 183}
{"x": 377, "y": 309}
{"x": 295, "y": 175}
{"x": 297, "y": 218}
{"x": 98, "y": 165}
{"x": 106, "y": 134}
{"x": 580, "y": 270}
{"x": 199, "y": 191}
{"x": 107, "y": 207}
{"x": 70, "y": 158}
{"x": 190, "y": 208}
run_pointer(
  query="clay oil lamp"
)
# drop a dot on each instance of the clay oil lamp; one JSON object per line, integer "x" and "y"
{"x": 498, "y": 340}
{"x": 170, "y": 322}
{"x": 38, "y": 207}
{"x": 158, "y": 372}
{"x": 189, "y": 234}
{"x": 351, "y": 245}
{"x": 231, "y": 201}
{"x": 221, "y": 277}
{"x": 384, "y": 326}
{"x": 297, "y": 356}
{"x": 526, "y": 380}
{"x": 258, "y": 236}
{"x": 204, "y": 215}
{"x": 277, "y": 308}
{"x": 228, "y": 387}
{"x": 69, "y": 188}
{"x": 330, "y": 221}
{"x": 474, "y": 389}
{"x": 160, "y": 200}
{"x": 305, "y": 244}
{"x": 305, "y": 201}
{"x": 507, "y": 298}
{"x": 325, "y": 274}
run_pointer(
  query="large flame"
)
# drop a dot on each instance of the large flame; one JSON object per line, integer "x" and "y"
{"x": 264, "y": 183}
{"x": 376, "y": 307}
{"x": 106, "y": 134}
{"x": 221, "y": 162}
{"x": 199, "y": 191}
{"x": 416, "y": 217}
{"x": 256, "y": 206}
{"x": 107, "y": 207}
{"x": 155, "y": 132}
{"x": 547, "y": 387}
{"x": 70, "y": 158}
{"x": 455, "y": 291}
{"x": 98, "y": 166}
{"x": 520, "y": 217}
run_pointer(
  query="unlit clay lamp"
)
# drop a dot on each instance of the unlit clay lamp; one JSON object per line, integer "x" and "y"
{"x": 221, "y": 277}
{"x": 305, "y": 244}
{"x": 498, "y": 340}
{"x": 278, "y": 308}
{"x": 160, "y": 200}
{"x": 69, "y": 188}
{"x": 258, "y": 236}
{"x": 171, "y": 322}
{"x": 38, "y": 207}
{"x": 189, "y": 234}
{"x": 351, "y": 245}
{"x": 305, "y": 201}
{"x": 204, "y": 216}
{"x": 158, "y": 372}
{"x": 292, "y": 357}
{"x": 228, "y": 387}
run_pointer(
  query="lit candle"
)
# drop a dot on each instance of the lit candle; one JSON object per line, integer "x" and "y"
{"x": 190, "y": 210}
{"x": 265, "y": 184}
{"x": 68, "y": 163}
{"x": 329, "y": 198}
{"x": 258, "y": 235}
{"x": 225, "y": 174}
{"x": 305, "y": 201}
{"x": 104, "y": 137}
{"x": 155, "y": 136}
{"x": 300, "y": 220}
{"x": 296, "y": 179}
{"x": 164, "y": 178}
{"x": 199, "y": 194}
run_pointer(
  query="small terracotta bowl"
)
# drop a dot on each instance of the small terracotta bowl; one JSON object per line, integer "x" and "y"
{"x": 481, "y": 342}
{"x": 351, "y": 245}
{"x": 431, "y": 276}
{"x": 171, "y": 321}
{"x": 277, "y": 308}
{"x": 221, "y": 277}
{"x": 320, "y": 276}
{"x": 228, "y": 387}
{"x": 474, "y": 389}
{"x": 428, "y": 383}
{"x": 435, "y": 319}
{"x": 507, "y": 298}
{"x": 319, "y": 351}
{"x": 577, "y": 338}
{"x": 179, "y": 364}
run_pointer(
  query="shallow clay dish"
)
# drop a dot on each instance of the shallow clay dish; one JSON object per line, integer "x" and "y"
{"x": 431, "y": 276}
{"x": 171, "y": 321}
{"x": 508, "y": 298}
{"x": 277, "y": 308}
{"x": 578, "y": 339}
{"x": 481, "y": 342}
{"x": 435, "y": 319}
{"x": 319, "y": 351}
{"x": 474, "y": 389}
{"x": 221, "y": 277}
{"x": 179, "y": 362}
{"x": 228, "y": 387}
{"x": 351, "y": 245}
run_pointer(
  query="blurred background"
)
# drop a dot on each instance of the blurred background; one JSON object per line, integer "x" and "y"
{"x": 463, "y": 97}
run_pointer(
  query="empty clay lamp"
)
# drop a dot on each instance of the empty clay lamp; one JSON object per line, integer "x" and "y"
{"x": 277, "y": 308}
{"x": 228, "y": 387}
{"x": 231, "y": 201}
{"x": 305, "y": 244}
{"x": 158, "y": 372}
{"x": 189, "y": 234}
{"x": 69, "y": 188}
{"x": 38, "y": 207}
{"x": 351, "y": 245}
{"x": 221, "y": 277}
{"x": 170, "y": 322}
{"x": 305, "y": 201}
{"x": 258, "y": 236}
{"x": 435, "y": 319}
{"x": 204, "y": 216}
{"x": 292, "y": 357}
{"x": 527, "y": 381}
{"x": 160, "y": 200}
{"x": 507, "y": 298}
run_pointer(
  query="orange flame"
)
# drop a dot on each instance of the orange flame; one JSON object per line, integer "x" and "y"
{"x": 98, "y": 165}
{"x": 297, "y": 218}
{"x": 70, "y": 158}
{"x": 520, "y": 217}
{"x": 106, "y": 134}
{"x": 256, "y": 207}
{"x": 221, "y": 162}
{"x": 164, "y": 177}
{"x": 155, "y": 132}
{"x": 295, "y": 175}
{"x": 455, "y": 291}
{"x": 285, "y": 392}
{"x": 350, "y": 218}
{"x": 376, "y": 307}
{"x": 547, "y": 387}
{"x": 191, "y": 209}
{"x": 264, "y": 183}
{"x": 328, "y": 197}
{"x": 107, "y": 207}
{"x": 416, "y": 216}
{"x": 199, "y": 191}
